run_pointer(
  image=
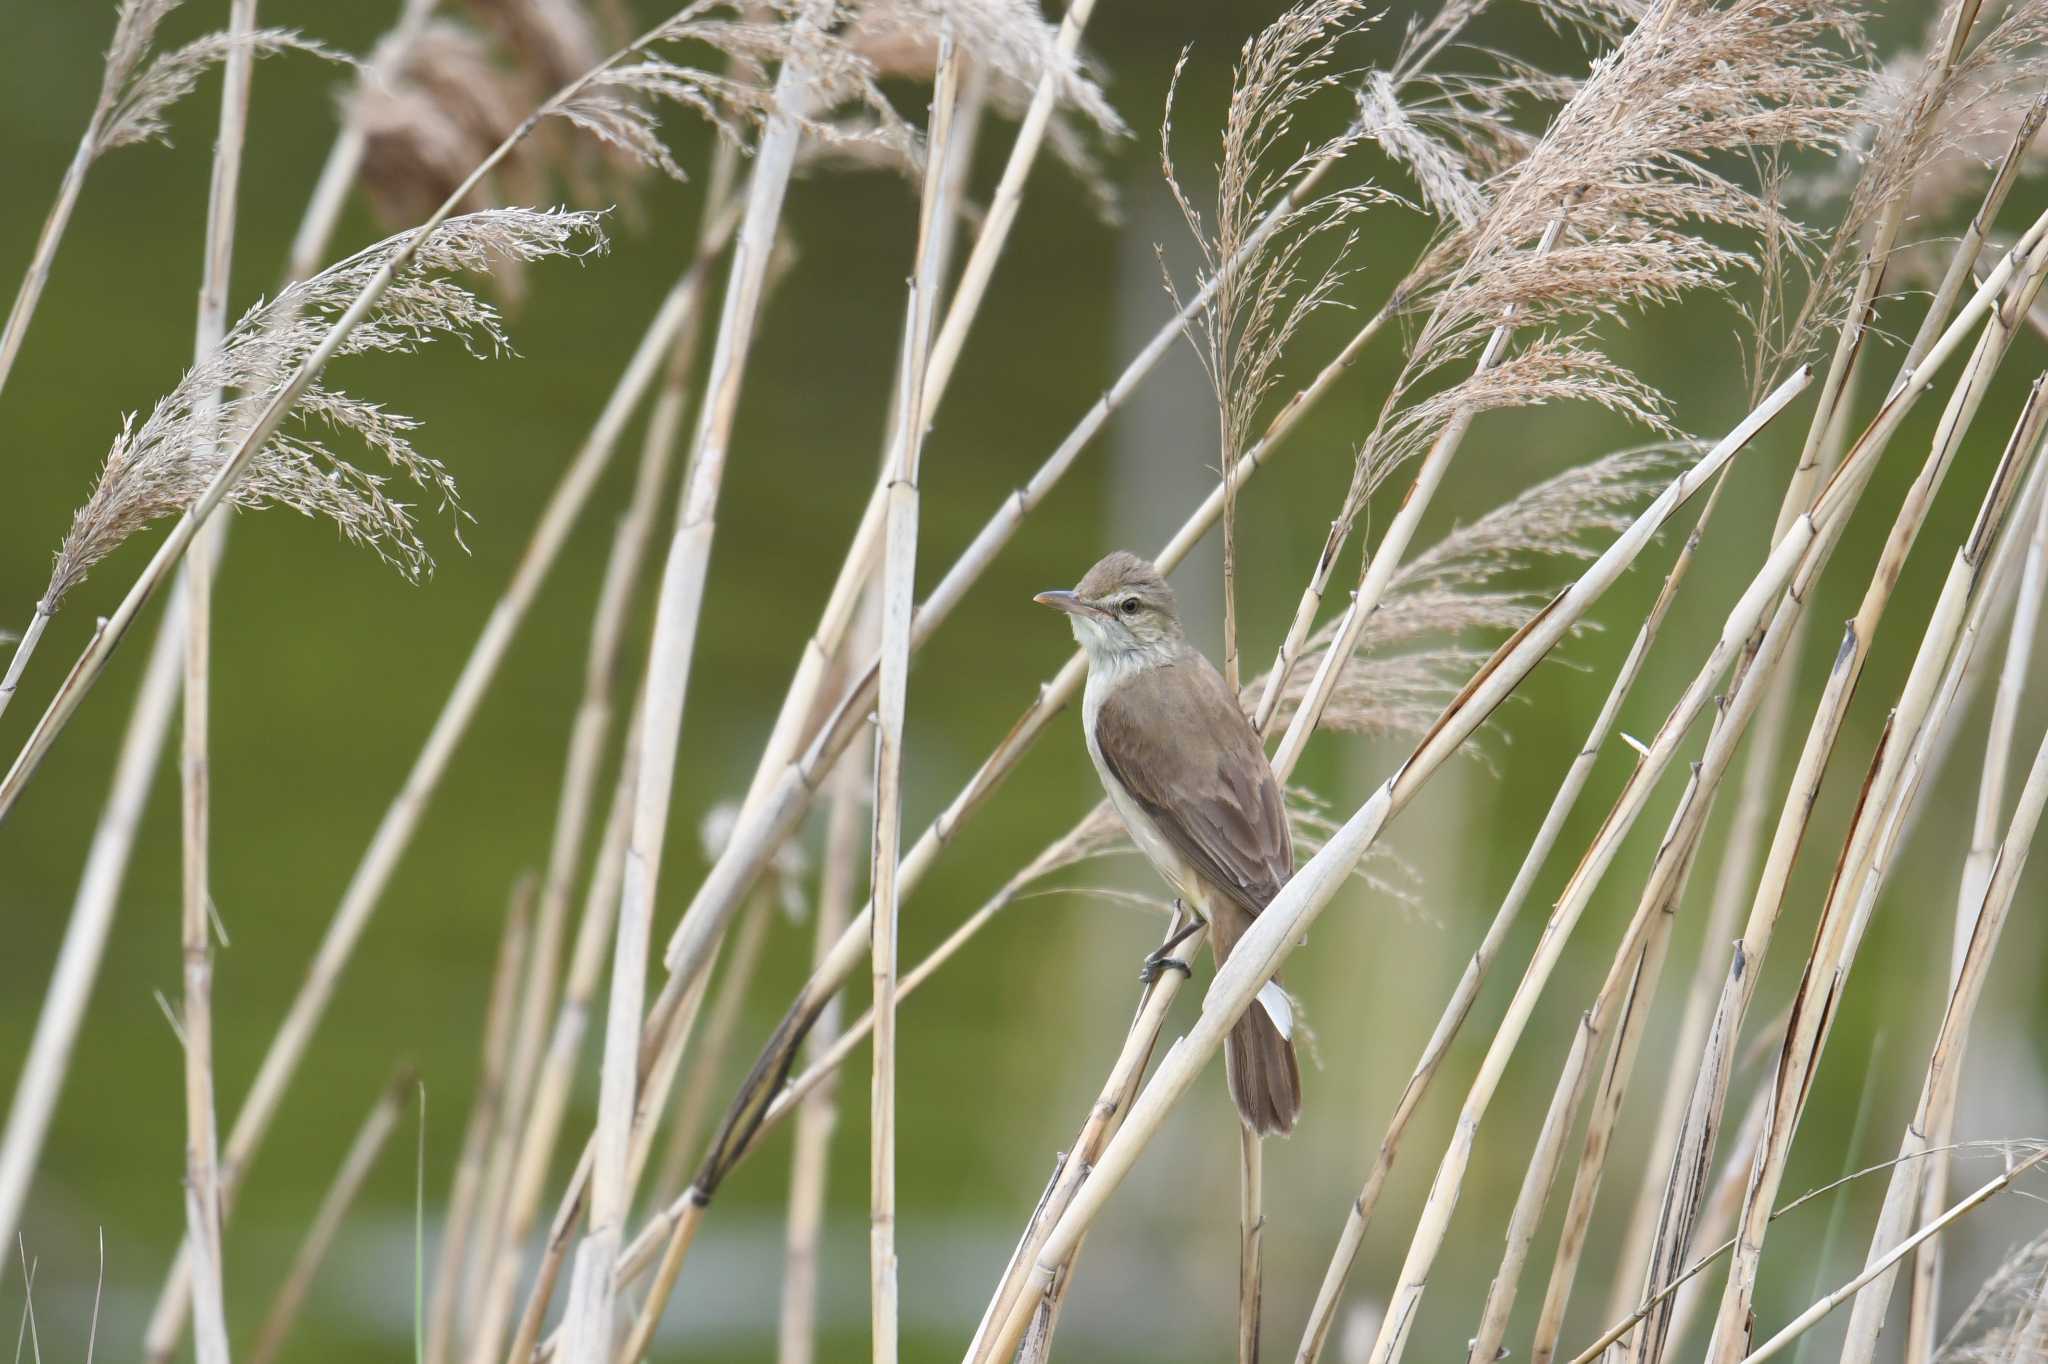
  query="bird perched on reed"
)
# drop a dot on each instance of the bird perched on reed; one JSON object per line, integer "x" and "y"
{"x": 1189, "y": 778}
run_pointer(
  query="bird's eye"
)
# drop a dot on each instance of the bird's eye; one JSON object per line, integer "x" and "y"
{"x": 1129, "y": 606}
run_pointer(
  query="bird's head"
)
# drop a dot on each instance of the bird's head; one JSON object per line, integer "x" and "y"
{"x": 1121, "y": 610}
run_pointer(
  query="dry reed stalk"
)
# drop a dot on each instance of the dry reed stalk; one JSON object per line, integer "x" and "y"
{"x": 1687, "y": 1277}
{"x": 1251, "y": 1224}
{"x": 686, "y": 1130}
{"x": 1800, "y": 1324}
{"x": 203, "y": 1199}
{"x": 1260, "y": 952}
{"x": 551, "y": 1090}
{"x": 1105, "y": 1116}
{"x": 1907, "y": 1190}
{"x": 401, "y": 819}
{"x": 796, "y": 1328}
{"x": 588, "y": 1322}
{"x": 1802, "y": 550}
{"x": 1322, "y": 1314}
{"x": 1693, "y": 1148}
{"x": 131, "y": 107}
{"x": 334, "y": 1206}
{"x": 801, "y": 697}
{"x": 1660, "y": 899}
{"x": 1804, "y": 1044}
{"x": 444, "y": 1298}
{"x": 590, "y": 729}
{"x": 91, "y": 921}
{"x": 1622, "y": 1003}
{"x": 1998, "y": 743}
{"x": 142, "y": 743}
{"x": 898, "y": 591}
{"x": 1738, "y": 862}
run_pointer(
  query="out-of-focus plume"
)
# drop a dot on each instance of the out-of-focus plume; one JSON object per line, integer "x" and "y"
{"x": 158, "y": 467}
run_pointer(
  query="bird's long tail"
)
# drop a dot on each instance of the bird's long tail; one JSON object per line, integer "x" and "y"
{"x": 1265, "y": 1079}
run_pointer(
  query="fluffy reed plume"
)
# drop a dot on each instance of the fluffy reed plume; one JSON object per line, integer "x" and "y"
{"x": 449, "y": 102}
{"x": 1018, "y": 51}
{"x": 156, "y": 469}
{"x": 1632, "y": 168}
{"x": 1262, "y": 265}
{"x": 618, "y": 104}
{"x": 135, "y": 97}
{"x": 2007, "y": 1321}
{"x": 166, "y": 464}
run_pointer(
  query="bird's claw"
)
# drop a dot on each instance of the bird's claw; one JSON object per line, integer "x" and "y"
{"x": 1155, "y": 966}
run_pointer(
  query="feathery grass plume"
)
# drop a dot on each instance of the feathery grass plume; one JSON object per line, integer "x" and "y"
{"x": 157, "y": 468}
{"x": 618, "y": 104}
{"x": 2007, "y": 1322}
{"x": 135, "y": 97}
{"x": 1012, "y": 42}
{"x": 1259, "y": 297}
{"x": 1631, "y": 165}
{"x": 1924, "y": 131}
{"x": 449, "y": 103}
{"x": 1451, "y": 588}
{"x": 1929, "y": 133}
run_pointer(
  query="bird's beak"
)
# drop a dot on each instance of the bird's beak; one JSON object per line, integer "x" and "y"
{"x": 1063, "y": 600}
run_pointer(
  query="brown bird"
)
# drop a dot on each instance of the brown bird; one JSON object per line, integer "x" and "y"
{"x": 1190, "y": 779}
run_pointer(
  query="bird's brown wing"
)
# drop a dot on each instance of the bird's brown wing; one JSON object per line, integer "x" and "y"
{"x": 1176, "y": 739}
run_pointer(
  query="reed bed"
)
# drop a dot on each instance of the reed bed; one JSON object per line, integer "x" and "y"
{"x": 1496, "y": 226}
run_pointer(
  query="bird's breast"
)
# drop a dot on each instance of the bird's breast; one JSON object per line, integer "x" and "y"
{"x": 1164, "y": 857}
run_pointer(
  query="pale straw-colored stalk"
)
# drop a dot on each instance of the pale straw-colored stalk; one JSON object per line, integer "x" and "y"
{"x": 1105, "y": 1116}
{"x": 590, "y": 729}
{"x": 1832, "y": 950}
{"x": 1687, "y": 1277}
{"x": 1322, "y": 1314}
{"x": 1998, "y": 747}
{"x": 551, "y": 1091}
{"x": 1738, "y": 859}
{"x": 1692, "y": 1149}
{"x": 898, "y": 591}
{"x": 593, "y": 1286}
{"x": 1251, "y": 1226}
{"x": 1805, "y": 1320}
{"x": 401, "y": 819}
{"x": 486, "y": 1116}
{"x": 699, "y": 1088}
{"x": 327, "y": 1219}
{"x": 818, "y": 1113}
{"x": 801, "y": 698}
{"x": 1906, "y": 1192}
{"x": 1266, "y": 944}
{"x": 142, "y": 743}
{"x": 203, "y": 1198}
{"x": 1660, "y": 899}
{"x": 92, "y": 918}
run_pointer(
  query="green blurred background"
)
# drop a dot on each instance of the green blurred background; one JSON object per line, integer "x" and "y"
{"x": 329, "y": 669}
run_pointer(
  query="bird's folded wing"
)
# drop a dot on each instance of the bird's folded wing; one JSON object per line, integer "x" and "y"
{"x": 1177, "y": 741}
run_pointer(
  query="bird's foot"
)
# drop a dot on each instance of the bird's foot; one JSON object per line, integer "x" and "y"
{"x": 1161, "y": 960}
